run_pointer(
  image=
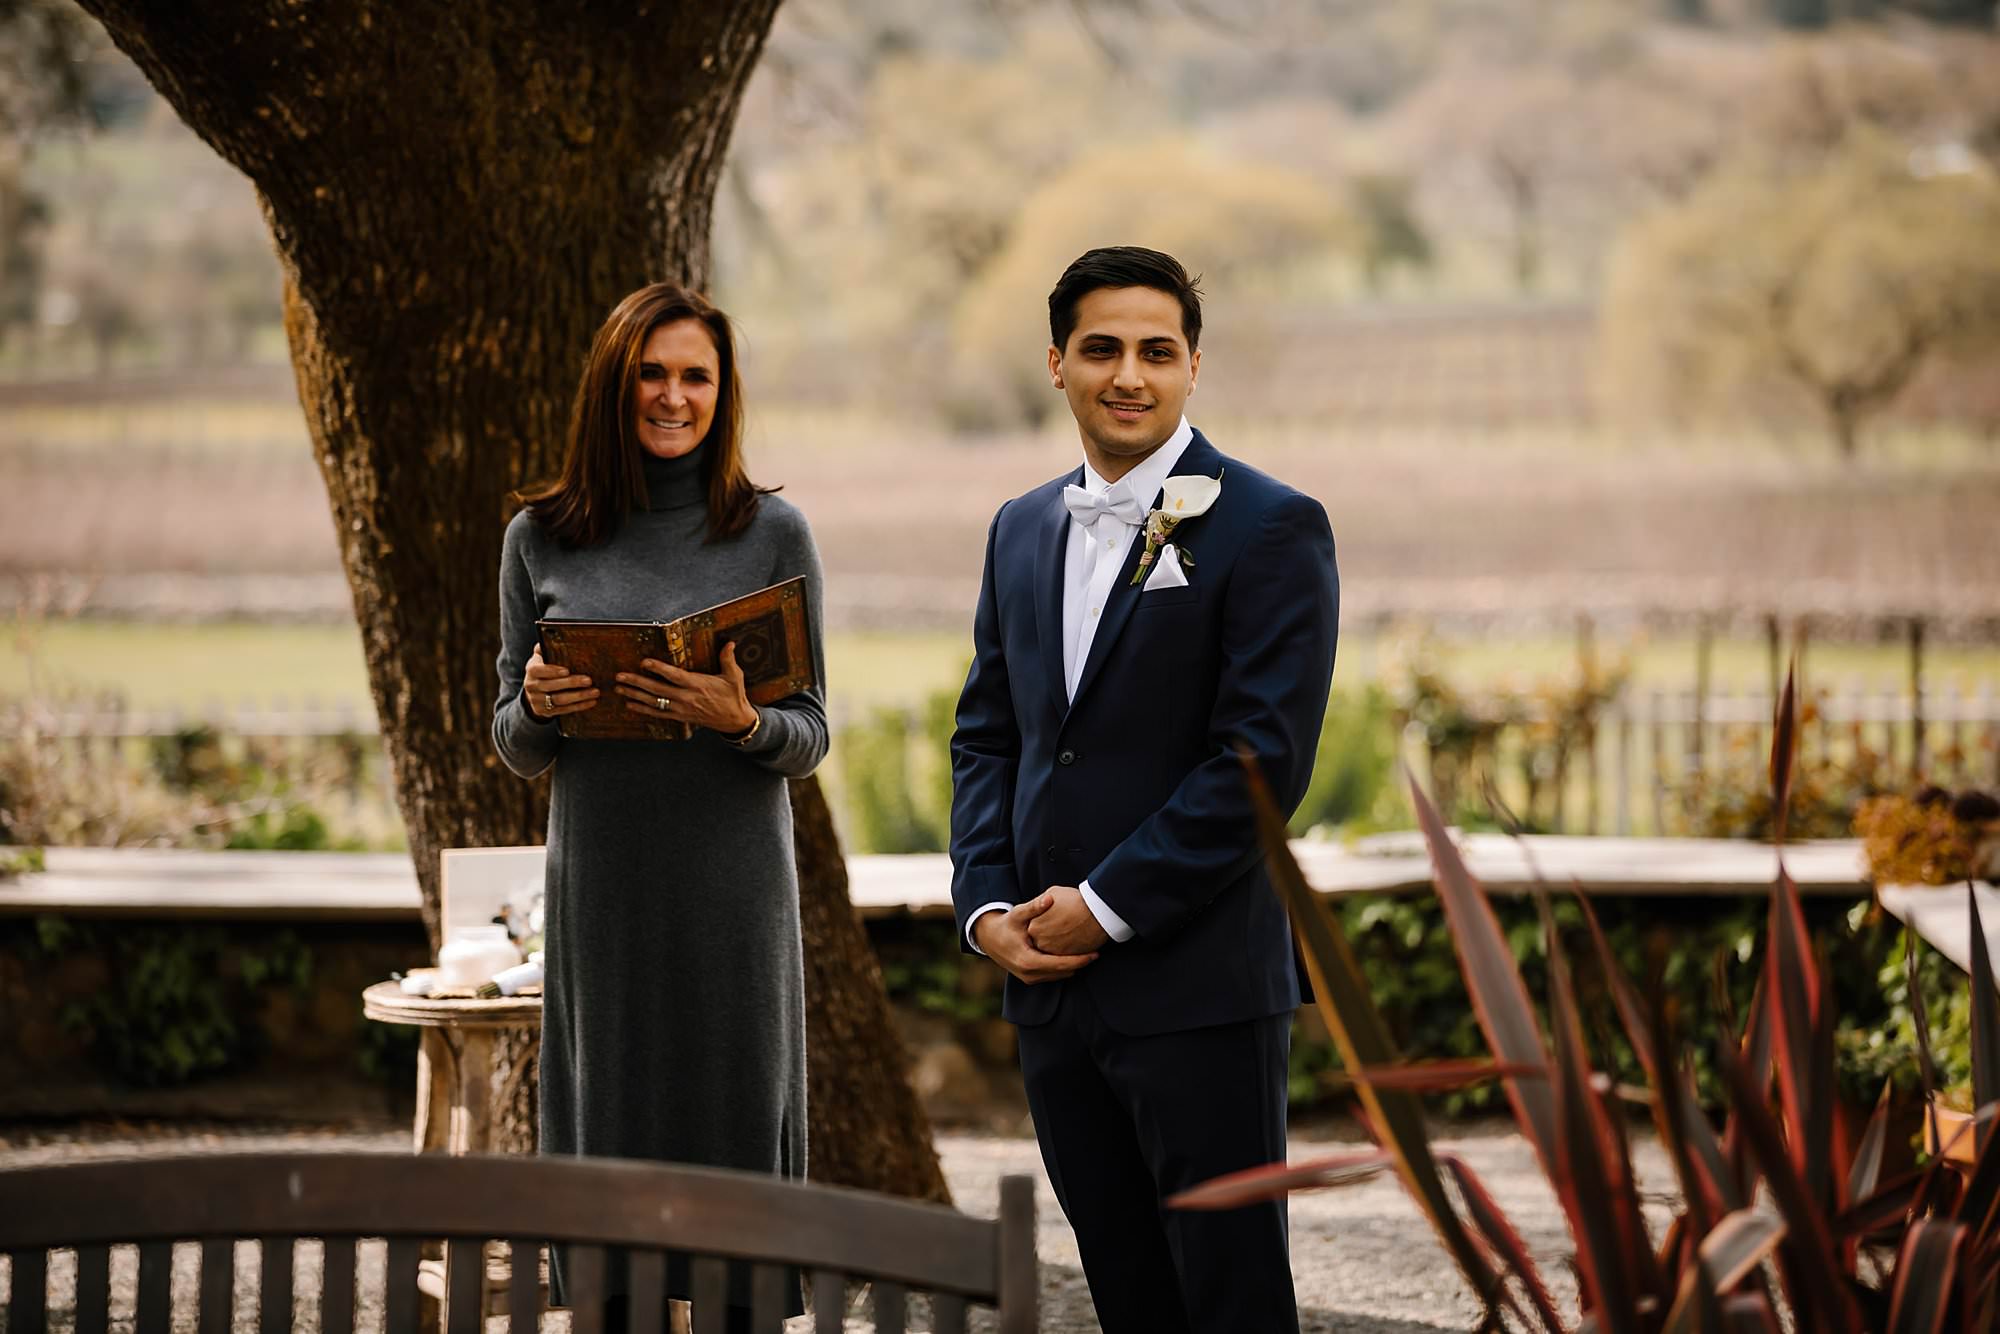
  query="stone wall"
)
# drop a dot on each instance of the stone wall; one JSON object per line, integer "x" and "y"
{"x": 109, "y": 1017}
{"x": 98, "y": 1016}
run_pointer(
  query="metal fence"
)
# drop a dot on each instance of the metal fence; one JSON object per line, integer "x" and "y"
{"x": 1642, "y": 750}
{"x": 1649, "y": 746}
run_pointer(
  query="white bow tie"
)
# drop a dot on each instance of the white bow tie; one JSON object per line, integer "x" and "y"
{"x": 1087, "y": 507}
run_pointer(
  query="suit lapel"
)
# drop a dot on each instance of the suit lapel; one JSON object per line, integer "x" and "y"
{"x": 1051, "y": 546}
{"x": 1199, "y": 457}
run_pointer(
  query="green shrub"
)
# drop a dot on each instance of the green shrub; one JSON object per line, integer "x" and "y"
{"x": 387, "y": 1053}
{"x": 923, "y": 968}
{"x": 1355, "y": 761}
{"x": 884, "y": 814}
{"x": 179, "y": 1006}
{"x": 1732, "y": 797}
{"x": 288, "y": 828}
{"x": 895, "y": 772}
{"x": 1405, "y": 950}
{"x": 195, "y": 788}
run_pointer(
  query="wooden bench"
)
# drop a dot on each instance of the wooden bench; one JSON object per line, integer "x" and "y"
{"x": 645, "y": 1210}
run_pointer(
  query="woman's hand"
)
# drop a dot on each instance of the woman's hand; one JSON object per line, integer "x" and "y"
{"x": 551, "y": 691}
{"x": 717, "y": 702}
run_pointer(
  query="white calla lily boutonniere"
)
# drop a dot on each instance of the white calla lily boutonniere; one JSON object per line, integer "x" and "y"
{"x": 1181, "y": 499}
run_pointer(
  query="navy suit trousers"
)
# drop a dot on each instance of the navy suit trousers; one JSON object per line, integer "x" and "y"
{"x": 1125, "y": 1121}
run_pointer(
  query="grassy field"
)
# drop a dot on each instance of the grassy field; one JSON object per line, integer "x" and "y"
{"x": 187, "y": 666}
{"x": 1502, "y": 521}
{"x": 1523, "y": 524}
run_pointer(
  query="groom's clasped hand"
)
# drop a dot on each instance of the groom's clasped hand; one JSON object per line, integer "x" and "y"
{"x": 1048, "y": 937}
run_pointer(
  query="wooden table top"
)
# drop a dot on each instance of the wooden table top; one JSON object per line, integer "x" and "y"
{"x": 385, "y": 1001}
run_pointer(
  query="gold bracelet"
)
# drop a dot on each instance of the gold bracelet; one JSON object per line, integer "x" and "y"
{"x": 744, "y": 738}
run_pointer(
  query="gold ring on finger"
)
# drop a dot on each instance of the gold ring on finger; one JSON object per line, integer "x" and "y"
{"x": 660, "y": 703}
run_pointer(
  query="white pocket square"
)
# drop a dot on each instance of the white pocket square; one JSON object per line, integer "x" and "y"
{"x": 1167, "y": 572}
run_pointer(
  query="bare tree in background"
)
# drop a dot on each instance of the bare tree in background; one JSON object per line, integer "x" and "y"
{"x": 43, "y": 48}
{"x": 457, "y": 194}
{"x": 1843, "y": 282}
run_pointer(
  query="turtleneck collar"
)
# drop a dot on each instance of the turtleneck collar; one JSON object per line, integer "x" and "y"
{"x": 673, "y": 484}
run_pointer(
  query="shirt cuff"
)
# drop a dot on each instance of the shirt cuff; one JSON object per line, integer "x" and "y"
{"x": 1114, "y": 925}
{"x": 977, "y": 913}
{"x": 533, "y": 717}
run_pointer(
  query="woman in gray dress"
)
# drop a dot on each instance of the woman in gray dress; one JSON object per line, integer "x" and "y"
{"x": 673, "y": 1022}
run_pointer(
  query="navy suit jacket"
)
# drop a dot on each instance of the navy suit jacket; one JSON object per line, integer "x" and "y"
{"x": 1136, "y": 785}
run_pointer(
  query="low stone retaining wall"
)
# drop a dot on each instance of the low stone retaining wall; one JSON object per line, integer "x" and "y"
{"x": 124, "y": 1017}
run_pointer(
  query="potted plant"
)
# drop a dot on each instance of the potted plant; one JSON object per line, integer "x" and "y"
{"x": 1931, "y": 837}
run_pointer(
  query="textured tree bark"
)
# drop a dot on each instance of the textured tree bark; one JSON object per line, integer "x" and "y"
{"x": 862, "y": 1107}
{"x": 458, "y": 193}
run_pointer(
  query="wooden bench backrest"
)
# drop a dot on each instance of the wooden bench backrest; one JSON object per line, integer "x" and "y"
{"x": 643, "y": 1209}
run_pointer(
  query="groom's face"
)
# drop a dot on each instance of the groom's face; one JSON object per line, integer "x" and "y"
{"x": 1127, "y": 372}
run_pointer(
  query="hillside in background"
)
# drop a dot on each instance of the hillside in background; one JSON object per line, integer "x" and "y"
{"x": 1400, "y": 205}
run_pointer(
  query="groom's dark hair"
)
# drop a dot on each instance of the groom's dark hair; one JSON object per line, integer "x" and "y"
{"x": 1124, "y": 266}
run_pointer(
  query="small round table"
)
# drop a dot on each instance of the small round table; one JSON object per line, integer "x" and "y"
{"x": 474, "y": 1059}
{"x": 472, "y": 1079}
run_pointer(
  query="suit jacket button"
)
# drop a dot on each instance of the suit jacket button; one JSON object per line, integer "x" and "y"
{"x": 1051, "y": 850}
{"x": 1067, "y": 757}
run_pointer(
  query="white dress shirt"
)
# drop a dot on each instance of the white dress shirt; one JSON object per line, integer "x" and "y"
{"x": 1091, "y": 563}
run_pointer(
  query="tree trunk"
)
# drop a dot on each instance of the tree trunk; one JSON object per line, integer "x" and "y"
{"x": 1846, "y": 422}
{"x": 857, "y": 1072}
{"x": 1522, "y": 192}
{"x": 458, "y": 194}
{"x": 1801, "y": 13}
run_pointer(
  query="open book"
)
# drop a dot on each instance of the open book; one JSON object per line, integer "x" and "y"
{"x": 768, "y": 628}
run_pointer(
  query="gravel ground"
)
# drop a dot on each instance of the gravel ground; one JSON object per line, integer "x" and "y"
{"x": 1363, "y": 1258}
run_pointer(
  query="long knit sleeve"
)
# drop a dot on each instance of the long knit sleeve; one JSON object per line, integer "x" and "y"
{"x": 527, "y": 744}
{"x": 792, "y": 739}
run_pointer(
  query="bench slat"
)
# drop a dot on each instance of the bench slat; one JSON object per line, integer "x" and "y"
{"x": 27, "y": 1302}
{"x": 646, "y": 1281}
{"x": 399, "y": 1285}
{"x": 465, "y": 1270}
{"x": 767, "y": 1298}
{"x": 27, "y": 1293}
{"x": 583, "y": 1276}
{"x": 948, "y": 1313}
{"x": 829, "y": 1301}
{"x": 336, "y": 1290}
{"x": 710, "y": 1284}
{"x": 1020, "y": 1282}
{"x": 524, "y": 1278}
{"x": 156, "y": 1273}
{"x": 93, "y": 1289}
{"x": 274, "y": 1285}
{"x": 218, "y": 1284}
{"x": 891, "y": 1303}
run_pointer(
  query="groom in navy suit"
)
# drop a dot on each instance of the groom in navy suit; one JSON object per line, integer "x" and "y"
{"x": 1138, "y": 620}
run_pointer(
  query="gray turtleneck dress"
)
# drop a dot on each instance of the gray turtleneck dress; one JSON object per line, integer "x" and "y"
{"x": 673, "y": 1021}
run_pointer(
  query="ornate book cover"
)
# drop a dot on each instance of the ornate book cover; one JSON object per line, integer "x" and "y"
{"x": 768, "y": 628}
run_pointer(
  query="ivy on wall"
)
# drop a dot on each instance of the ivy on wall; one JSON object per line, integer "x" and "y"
{"x": 178, "y": 1002}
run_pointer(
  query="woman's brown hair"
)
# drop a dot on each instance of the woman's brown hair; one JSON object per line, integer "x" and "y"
{"x": 603, "y": 478}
